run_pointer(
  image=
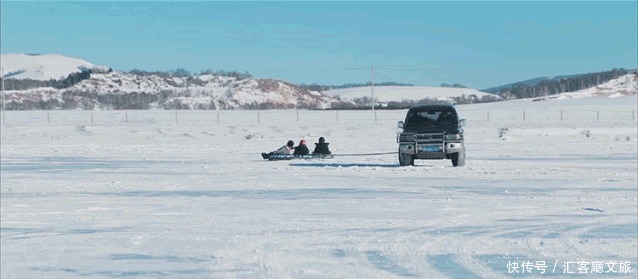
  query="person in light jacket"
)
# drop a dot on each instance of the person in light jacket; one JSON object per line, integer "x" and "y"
{"x": 286, "y": 150}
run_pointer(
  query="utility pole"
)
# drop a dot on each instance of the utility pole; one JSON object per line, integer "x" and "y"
{"x": 372, "y": 83}
{"x": 2, "y": 75}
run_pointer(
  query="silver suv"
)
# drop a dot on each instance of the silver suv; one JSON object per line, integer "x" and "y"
{"x": 431, "y": 132}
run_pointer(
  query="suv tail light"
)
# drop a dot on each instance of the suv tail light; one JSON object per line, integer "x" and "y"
{"x": 407, "y": 137}
{"x": 453, "y": 136}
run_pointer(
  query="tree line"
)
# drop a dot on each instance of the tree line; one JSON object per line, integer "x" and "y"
{"x": 561, "y": 85}
{"x": 365, "y": 102}
{"x": 75, "y": 78}
{"x": 179, "y": 72}
{"x": 319, "y": 87}
{"x": 25, "y": 84}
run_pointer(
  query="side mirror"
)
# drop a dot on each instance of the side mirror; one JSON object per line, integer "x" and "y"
{"x": 462, "y": 123}
{"x": 400, "y": 124}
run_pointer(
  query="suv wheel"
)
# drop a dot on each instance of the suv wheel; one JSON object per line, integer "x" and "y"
{"x": 406, "y": 160}
{"x": 458, "y": 159}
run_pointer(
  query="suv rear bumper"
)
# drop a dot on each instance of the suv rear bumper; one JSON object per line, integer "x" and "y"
{"x": 430, "y": 150}
{"x": 429, "y": 145}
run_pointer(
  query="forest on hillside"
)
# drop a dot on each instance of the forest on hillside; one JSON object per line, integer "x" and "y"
{"x": 561, "y": 85}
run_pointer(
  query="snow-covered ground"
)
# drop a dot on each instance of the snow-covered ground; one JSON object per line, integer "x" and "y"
{"x": 169, "y": 195}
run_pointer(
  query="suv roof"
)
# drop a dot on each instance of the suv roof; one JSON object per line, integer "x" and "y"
{"x": 432, "y": 107}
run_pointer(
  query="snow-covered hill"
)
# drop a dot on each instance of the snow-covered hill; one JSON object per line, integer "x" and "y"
{"x": 42, "y": 66}
{"x": 105, "y": 89}
{"x": 205, "y": 91}
{"x": 626, "y": 85}
{"x": 401, "y": 93}
{"x": 119, "y": 90}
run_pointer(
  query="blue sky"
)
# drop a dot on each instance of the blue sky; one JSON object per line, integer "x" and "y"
{"x": 478, "y": 44}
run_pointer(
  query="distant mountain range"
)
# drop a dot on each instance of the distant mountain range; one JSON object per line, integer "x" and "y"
{"x": 59, "y": 82}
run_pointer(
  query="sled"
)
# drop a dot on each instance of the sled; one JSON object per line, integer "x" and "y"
{"x": 281, "y": 157}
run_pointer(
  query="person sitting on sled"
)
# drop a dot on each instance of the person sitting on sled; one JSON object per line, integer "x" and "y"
{"x": 286, "y": 150}
{"x": 322, "y": 147}
{"x": 302, "y": 148}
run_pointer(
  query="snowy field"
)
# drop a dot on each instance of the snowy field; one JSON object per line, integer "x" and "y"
{"x": 159, "y": 194}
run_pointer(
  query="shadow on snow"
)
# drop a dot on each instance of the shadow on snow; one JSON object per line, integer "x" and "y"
{"x": 345, "y": 165}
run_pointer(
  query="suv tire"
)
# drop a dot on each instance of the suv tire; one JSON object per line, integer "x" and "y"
{"x": 406, "y": 160}
{"x": 458, "y": 159}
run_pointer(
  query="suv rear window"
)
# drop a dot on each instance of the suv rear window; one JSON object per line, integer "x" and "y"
{"x": 431, "y": 118}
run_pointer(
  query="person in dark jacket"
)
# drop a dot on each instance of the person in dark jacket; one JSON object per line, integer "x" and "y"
{"x": 302, "y": 148}
{"x": 322, "y": 147}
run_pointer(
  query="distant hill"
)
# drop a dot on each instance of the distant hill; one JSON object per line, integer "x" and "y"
{"x": 529, "y": 82}
{"x": 576, "y": 82}
{"x": 54, "y": 81}
{"x": 406, "y": 96}
{"x": 456, "y": 85}
{"x": 622, "y": 86}
{"x": 79, "y": 84}
{"x": 58, "y": 82}
{"x": 119, "y": 90}
{"x": 44, "y": 67}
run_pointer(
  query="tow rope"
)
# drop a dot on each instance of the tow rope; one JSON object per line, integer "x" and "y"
{"x": 365, "y": 154}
